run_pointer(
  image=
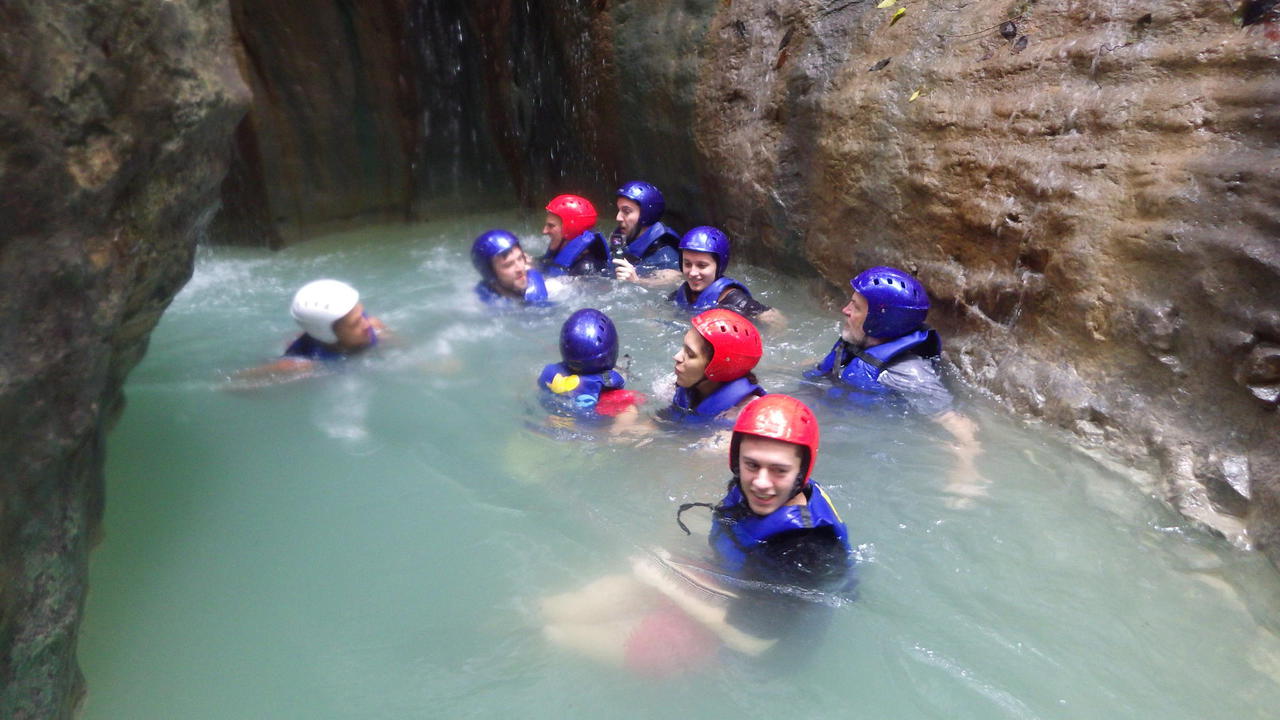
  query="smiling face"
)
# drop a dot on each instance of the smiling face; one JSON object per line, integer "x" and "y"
{"x": 353, "y": 329}
{"x": 692, "y": 359}
{"x": 855, "y": 313}
{"x": 628, "y": 217}
{"x": 699, "y": 269}
{"x": 511, "y": 270}
{"x": 553, "y": 228}
{"x": 768, "y": 469}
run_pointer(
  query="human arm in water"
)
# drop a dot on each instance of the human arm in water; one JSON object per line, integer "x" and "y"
{"x": 697, "y": 600}
{"x": 918, "y": 381}
{"x": 748, "y": 307}
{"x": 625, "y": 271}
{"x": 963, "y": 480}
{"x": 284, "y": 369}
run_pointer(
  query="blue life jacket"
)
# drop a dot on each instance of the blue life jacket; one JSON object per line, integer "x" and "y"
{"x": 857, "y": 370}
{"x": 575, "y": 391}
{"x": 708, "y": 298}
{"x": 562, "y": 262}
{"x": 649, "y": 247}
{"x": 534, "y": 294}
{"x": 736, "y": 530}
{"x": 310, "y": 348}
{"x": 708, "y": 411}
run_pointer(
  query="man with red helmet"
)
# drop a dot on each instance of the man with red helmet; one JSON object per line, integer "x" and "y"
{"x": 713, "y": 369}
{"x": 779, "y": 549}
{"x": 573, "y": 247}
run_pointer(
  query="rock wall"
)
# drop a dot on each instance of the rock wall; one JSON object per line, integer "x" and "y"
{"x": 114, "y": 126}
{"x": 1090, "y": 188}
{"x": 1091, "y": 193}
{"x": 394, "y": 109}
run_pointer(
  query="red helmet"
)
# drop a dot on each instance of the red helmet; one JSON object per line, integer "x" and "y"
{"x": 779, "y": 417}
{"x": 735, "y": 343}
{"x": 576, "y": 213}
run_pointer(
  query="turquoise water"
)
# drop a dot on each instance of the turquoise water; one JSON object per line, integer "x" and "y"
{"x": 374, "y": 544}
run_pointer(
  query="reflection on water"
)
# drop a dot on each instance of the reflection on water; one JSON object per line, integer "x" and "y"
{"x": 374, "y": 544}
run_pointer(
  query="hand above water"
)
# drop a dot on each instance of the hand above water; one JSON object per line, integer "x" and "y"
{"x": 625, "y": 271}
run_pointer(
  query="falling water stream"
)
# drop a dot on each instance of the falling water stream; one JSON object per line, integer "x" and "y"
{"x": 374, "y": 543}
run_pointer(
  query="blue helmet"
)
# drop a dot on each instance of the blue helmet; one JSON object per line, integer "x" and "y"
{"x": 707, "y": 239}
{"x": 589, "y": 342}
{"x": 648, "y": 197}
{"x": 489, "y": 245}
{"x": 896, "y": 302}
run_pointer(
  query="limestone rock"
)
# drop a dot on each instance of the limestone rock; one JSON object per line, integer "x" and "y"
{"x": 114, "y": 125}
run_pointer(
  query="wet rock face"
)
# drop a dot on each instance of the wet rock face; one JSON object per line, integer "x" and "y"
{"x": 1092, "y": 196}
{"x": 389, "y": 110}
{"x": 114, "y": 126}
{"x": 1090, "y": 188}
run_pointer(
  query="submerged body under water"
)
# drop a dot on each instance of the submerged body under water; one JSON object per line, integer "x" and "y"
{"x": 375, "y": 543}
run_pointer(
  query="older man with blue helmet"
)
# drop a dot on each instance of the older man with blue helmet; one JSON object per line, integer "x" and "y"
{"x": 643, "y": 247}
{"x": 886, "y": 352}
{"x": 505, "y": 275}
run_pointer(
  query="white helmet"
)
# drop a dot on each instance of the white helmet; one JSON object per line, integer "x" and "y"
{"x": 321, "y": 302}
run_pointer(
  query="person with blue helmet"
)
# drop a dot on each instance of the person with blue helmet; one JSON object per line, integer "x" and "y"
{"x": 334, "y": 327}
{"x": 780, "y": 561}
{"x": 644, "y": 250}
{"x": 505, "y": 275}
{"x": 584, "y": 383}
{"x": 573, "y": 246}
{"x": 704, "y": 258}
{"x": 886, "y": 352}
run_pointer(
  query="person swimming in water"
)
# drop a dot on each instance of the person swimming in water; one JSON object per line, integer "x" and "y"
{"x": 704, "y": 258}
{"x": 643, "y": 249}
{"x": 584, "y": 384}
{"x": 334, "y": 327}
{"x": 887, "y": 353}
{"x": 505, "y": 275}
{"x": 573, "y": 247}
{"x": 713, "y": 369}
{"x": 780, "y": 562}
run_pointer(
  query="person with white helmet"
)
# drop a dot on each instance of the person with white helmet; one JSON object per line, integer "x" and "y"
{"x": 334, "y": 327}
{"x": 332, "y": 320}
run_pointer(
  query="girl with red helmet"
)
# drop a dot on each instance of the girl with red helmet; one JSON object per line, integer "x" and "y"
{"x": 573, "y": 247}
{"x": 779, "y": 552}
{"x": 713, "y": 369}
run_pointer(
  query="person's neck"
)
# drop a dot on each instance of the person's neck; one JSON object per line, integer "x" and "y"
{"x": 866, "y": 342}
{"x": 703, "y": 389}
{"x": 507, "y": 292}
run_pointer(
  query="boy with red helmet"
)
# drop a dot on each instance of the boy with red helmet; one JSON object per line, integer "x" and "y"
{"x": 573, "y": 247}
{"x": 778, "y": 547}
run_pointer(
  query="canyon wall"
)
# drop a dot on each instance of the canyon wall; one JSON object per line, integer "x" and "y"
{"x": 115, "y": 120}
{"x": 1090, "y": 188}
